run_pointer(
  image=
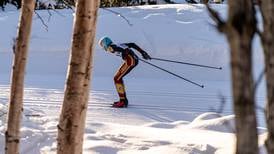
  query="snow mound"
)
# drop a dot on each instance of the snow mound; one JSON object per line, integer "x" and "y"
{"x": 214, "y": 122}
{"x": 167, "y": 125}
{"x": 162, "y": 125}
{"x": 207, "y": 116}
{"x": 184, "y": 149}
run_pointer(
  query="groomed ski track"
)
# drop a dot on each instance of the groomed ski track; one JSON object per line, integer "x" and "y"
{"x": 145, "y": 105}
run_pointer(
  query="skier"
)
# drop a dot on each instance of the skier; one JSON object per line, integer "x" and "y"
{"x": 130, "y": 61}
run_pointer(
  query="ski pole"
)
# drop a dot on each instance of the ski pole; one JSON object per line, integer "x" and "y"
{"x": 179, "y": 62}
{"x": 202, "y": 86}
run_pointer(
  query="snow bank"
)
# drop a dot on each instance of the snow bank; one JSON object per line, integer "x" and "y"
{"x": 217, "y": 122}
{"x": 31, "y": 130}
{"x": 214, "y": 122}
{"x": 180, "y": 137}
{"x": 112, "y": 138}
{"x": 176, "y": 32}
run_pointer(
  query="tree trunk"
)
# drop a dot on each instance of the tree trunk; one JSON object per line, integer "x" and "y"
{"x": 267, "y": 10}
{"x": 17, "y": 83}
{"x": 239, "y": 30}
{"x": 72, "y": 119}
{"x": 241, "y": 27}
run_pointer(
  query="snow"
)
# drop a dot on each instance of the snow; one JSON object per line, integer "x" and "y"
{"x": 166, "y": 114}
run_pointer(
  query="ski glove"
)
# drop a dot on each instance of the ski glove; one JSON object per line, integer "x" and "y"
{"x": 146, "y": 56}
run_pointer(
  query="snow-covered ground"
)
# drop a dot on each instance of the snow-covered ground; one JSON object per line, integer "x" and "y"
{"x": 165, "y": 115}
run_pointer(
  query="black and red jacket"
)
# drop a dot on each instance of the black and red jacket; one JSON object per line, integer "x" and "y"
{"x": 125, "y": 49}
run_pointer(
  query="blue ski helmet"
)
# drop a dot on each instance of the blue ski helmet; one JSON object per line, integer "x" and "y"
{"x": 105, "y": 42}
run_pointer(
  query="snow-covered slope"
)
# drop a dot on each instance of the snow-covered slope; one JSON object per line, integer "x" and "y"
{"x": 166, "y": 114}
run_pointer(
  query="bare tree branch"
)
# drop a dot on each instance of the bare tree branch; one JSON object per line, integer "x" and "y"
{"x": 261, "y": 109}
{"x": 120, "y": 15}
{"x": 42, "y": 20}
{"x": 49, "y": 15}
{"x": 3, "y": 113}
{"x": 259, "y": 32}
{"x": 222, "y": 104}
{"x": 216, "y": 18}
{"x": 220, "y": 110}
{"x": 259, "y": 80}
{"x": 60, "y": 14}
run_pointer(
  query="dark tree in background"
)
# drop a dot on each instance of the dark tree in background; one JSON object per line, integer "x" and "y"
{"x": 3, "y": 3}
{"x": 67, "y": 2}
{"x": 17, "y": 3}
{"x": 119, "y": 3}
{"x": 71, "y": 3}
{"x": 239, "y": 29}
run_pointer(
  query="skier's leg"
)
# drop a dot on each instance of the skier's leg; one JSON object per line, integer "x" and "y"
{"x": 118, "y": 81}
{"x": 126, "y": 67}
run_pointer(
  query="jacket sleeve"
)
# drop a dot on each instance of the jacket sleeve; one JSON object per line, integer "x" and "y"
{"x": 136, "y": 47}
{"x": 115, "y": 48}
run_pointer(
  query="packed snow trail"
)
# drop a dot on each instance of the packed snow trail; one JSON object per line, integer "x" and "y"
{"x": 112, "y": 129}
{"x": 168, "y": 103}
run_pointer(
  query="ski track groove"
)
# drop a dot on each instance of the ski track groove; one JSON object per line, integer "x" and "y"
{"x": 45, "y": 99}
{"x": 52, "y": 99}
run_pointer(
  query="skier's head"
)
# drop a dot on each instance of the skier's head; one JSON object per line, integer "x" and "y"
{"x": 105, "y": 43}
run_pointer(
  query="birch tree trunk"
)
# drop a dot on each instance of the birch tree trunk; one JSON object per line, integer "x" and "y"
{"x": 267, "y": 38}
{"x": 239, "y": 30}
{"x": 17, "y": 81}
{"x": 72, "y": 119}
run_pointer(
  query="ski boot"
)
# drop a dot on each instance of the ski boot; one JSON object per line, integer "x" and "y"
{"x": 123, "y": 103}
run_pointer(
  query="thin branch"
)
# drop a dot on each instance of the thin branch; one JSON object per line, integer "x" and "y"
{"x": 60, "y": 14}
{"x": 257, "y": 83}
{"x": 42, "y": 20}
{"x": 49, "y": 15}
{"x": 259, "y": 80}
{"x": 222, "y": 104}
{"x": 259, "y": 32}
{"x": 220, "y": 110}
{"x": 120, "y": 15}
{"x": 216, "y": 18}
{"x": 261, "y": 109}
{"x": 3, "y": 113}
